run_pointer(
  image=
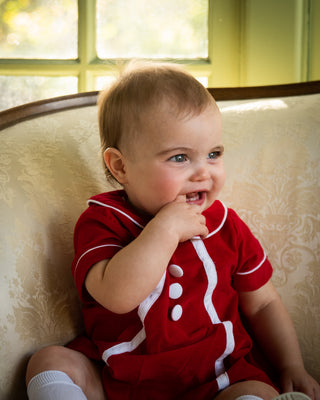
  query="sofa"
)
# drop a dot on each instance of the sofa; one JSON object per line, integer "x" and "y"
{"x": 50, "y": 165}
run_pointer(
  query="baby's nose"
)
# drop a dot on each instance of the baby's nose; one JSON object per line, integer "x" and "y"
{"x": 201, "y": 172}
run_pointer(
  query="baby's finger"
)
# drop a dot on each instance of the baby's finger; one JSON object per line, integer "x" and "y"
{"x": 181, "y": 198}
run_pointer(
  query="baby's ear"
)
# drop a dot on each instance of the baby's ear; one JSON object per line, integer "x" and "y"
{"x": 115, "y": 163}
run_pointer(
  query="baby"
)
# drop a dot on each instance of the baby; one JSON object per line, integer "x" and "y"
{"x": 163, "y": 267}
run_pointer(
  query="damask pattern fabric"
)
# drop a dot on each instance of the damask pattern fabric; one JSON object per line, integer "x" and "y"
{"x": 50, "y": 166}
{"x": 273, "y": 181}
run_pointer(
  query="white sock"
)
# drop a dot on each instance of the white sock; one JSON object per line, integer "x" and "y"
{"x": 54, "y": 385}
{"x": 248, "y": 397}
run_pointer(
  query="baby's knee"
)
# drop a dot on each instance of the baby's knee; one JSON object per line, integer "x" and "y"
{"x": 56, "y": 358}
{"x": 246, "y": 390}
{"x": 75, "y": 365}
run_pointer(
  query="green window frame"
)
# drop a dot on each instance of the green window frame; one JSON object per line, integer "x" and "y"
{"x": 250, "y": 42}
{"x": 87, "y": 66}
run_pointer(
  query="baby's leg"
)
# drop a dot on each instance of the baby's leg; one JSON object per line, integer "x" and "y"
{"x": 63, "y": 364}
{"x": 254, "y": 388}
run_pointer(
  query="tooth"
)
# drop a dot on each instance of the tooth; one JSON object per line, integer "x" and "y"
{"x": 193, "y": 197}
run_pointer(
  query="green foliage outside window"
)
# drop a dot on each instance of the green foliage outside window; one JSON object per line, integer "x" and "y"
{"x": 38, "y": 29}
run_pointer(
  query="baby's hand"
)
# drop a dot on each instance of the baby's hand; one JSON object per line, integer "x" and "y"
{"x": 182, "y": 219}
{"x": 297, "y": 379}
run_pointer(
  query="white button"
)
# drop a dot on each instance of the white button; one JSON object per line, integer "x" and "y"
{"x": 175, "y": 291}
{"x": 175, "y": 271}
{"x": 176, "y": 312}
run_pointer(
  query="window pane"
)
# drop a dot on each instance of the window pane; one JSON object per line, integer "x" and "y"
{"x": 38, "y": 29}
{"x": 17, "y": 90}
{"x": 152, "y": 28}
{"x": 101, "y": 82}
{"x": 203, "y": 80}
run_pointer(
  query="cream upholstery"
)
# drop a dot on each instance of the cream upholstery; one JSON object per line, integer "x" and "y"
{"x": 50, "y": 165}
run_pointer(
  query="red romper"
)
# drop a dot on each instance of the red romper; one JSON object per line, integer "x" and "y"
{"x": 186, "y": 339}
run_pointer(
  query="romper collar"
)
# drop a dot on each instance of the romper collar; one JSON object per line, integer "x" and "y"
{"x": 216, "y": 214}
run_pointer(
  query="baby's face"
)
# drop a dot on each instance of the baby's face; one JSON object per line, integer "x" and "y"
{"x": 176, "y": 157}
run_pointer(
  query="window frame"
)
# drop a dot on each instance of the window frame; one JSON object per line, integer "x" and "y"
{"x": 87, "y": 66}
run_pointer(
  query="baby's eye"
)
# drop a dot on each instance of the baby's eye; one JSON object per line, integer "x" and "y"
{"x": 179, "y": 158}
{"x": 214, "y": 154}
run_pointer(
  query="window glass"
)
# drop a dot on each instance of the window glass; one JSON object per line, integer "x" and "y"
{"x": 39, "y": 29}
{"x": 152, "y": 29}
{"x": 102, "y": 82}
{"x": 203, "y": 80}
{"x": 17, "y": 90}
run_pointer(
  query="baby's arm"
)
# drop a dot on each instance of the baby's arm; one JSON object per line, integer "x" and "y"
{"x": 274, "y": 331}
{"x": 123, "y": 282}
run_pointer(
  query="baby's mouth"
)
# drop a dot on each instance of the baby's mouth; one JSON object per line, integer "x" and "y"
{"x": 195, "y": 197}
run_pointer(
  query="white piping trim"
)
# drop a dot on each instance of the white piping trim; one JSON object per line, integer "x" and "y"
{"x": 230, "y": 344}
{"x": 254, "y": 269}
{"x": 116, "y": 209}
{"x": 212, "y": 277}
{"x": 142, "y": 227}
{"x": 144, "y": 307}
{"x": 94, "y": 248}
{"x": 219, "y": 227}
{"x": 211, "y": 272}
{"x": 222, "y": 223}
{"x": 124, "y": 347}
{"x": 223, "y": 381}
{"x": 143, "y": 310}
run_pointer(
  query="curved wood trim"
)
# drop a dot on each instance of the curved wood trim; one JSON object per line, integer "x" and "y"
{"x": 35, "y": 109}
{"x": 18, "y": 114}
{"x": 259, "y": 92}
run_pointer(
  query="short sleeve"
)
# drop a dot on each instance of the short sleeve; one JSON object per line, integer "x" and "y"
{"x": 253, "y": 268}
{"x": 99, "y": 234}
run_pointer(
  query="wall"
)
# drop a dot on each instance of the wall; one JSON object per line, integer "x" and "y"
{"x": 262, "y": 42}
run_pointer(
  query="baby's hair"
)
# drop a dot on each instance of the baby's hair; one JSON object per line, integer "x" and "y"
{"x": 146, "y": 87}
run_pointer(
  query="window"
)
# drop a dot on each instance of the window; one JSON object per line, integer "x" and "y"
{"x": 165, "y": 32}
{"x": 55, "y": 47}
{"x": 38, "y": 29}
